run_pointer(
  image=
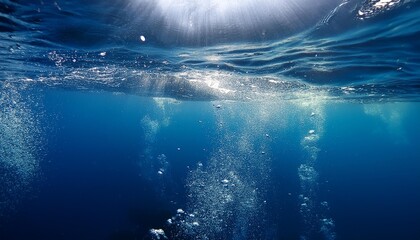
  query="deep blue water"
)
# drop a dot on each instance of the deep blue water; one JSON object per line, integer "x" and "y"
{"x": 165, "y": 119}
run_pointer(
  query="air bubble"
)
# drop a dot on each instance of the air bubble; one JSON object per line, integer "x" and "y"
{"x": 180, "y": 211}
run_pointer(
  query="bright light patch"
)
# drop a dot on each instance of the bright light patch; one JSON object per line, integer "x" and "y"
{"x": 196, "y": 15}
{"x": 204, "y": 21}
{"x": 384, "y": 3}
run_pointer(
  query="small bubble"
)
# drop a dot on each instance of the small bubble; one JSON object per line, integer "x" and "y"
{"x": 102, "y": 54}
{"x": 180, "y": 211}
{"x": 225, "y": 181}
{"x": 142, "y": 38}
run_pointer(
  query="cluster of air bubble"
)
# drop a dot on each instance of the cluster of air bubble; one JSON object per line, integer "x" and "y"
{"x": 150, "y": 129}
{"x": 226, "y": 193}
{"x": 157, "y": 234}
{"x": 313, "y": 212}
{"x": 220, "y": 198}
{"x": 154, "y": 165}
{"x": 18, "y": 147}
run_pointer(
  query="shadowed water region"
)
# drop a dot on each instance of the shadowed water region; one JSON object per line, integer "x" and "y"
{"x": 138, "y": 119}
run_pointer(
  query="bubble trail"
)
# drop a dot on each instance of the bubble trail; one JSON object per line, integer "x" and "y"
{"x": 314, "y": 213}
{"x": 19, "y": 145}
{"x": 226, "y": 193}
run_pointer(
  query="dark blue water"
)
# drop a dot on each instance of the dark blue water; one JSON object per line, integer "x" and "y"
{"x": 138, "y": 119}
